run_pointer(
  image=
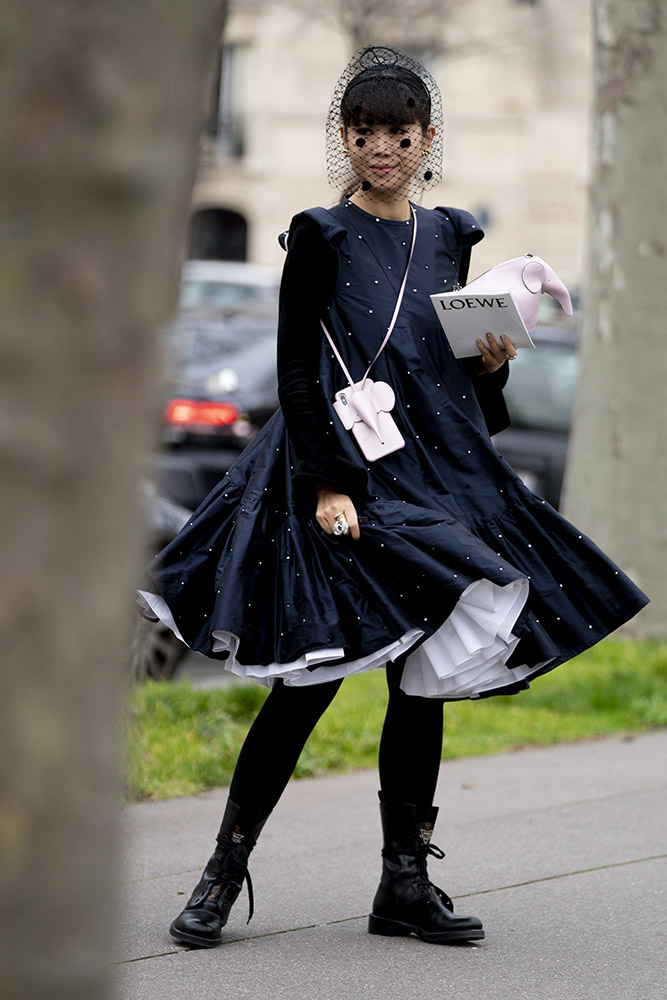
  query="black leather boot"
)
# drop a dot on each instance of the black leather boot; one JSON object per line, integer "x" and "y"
{"x": 406, "y": 902}
{"x": 207, "y": 910}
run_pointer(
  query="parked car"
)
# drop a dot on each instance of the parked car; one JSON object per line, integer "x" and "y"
{"x": 220, "y": 389}
{"x": 155, "y": 652}
{"x": 226, "y": 284}
{"x": 540, "y": 397}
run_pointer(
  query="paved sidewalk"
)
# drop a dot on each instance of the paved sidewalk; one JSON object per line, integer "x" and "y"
{"x": 562, "y": 852}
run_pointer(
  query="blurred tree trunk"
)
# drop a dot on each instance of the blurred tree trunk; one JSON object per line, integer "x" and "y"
{"x": 103, "y": 104}
{"x": 617, "y": 474}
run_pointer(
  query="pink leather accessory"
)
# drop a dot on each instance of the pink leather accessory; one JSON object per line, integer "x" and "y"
{"x": 364, "y": 407}
{"x": 365, "y": 410}
{"x": 526, "y": 278}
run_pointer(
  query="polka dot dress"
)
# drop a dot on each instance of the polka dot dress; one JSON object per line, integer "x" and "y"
{"x": 478, "y": 581}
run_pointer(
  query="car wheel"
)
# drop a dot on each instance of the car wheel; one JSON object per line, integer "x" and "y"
{"x": 156, "y": 652}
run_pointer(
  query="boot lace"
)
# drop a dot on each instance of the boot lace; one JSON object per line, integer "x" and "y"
{"x": 215, "y": 887}
{"x": 423, "y": 852}
{"x": 226, "y": 881}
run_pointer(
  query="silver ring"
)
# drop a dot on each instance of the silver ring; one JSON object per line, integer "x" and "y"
{"x": 511, "y": 357}
{"x": 341, "y": 524}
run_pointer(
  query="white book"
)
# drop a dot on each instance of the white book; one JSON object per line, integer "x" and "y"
{"x": 467, "y": 316}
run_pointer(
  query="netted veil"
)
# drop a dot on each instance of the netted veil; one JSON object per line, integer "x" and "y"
{"x": 381, "y": 96}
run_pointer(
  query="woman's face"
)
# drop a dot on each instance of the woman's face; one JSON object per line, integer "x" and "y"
{"x": 386, "y": 157}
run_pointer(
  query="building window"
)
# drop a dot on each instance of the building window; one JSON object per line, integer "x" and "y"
{"x": 217, "y": 234}
{"x": 225, "y": 123}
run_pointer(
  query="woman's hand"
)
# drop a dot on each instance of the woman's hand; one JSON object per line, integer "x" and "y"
{"x": 495, "y": 354}
{"x": 330, "y": 503}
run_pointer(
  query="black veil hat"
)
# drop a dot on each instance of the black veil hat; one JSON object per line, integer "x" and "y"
{"x": 381, "y": 86}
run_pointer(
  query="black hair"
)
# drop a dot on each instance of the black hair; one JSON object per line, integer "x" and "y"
{"x": 386, "y": 95}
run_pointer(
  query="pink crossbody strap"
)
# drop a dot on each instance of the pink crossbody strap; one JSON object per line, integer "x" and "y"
{"x": 390, "y": 328}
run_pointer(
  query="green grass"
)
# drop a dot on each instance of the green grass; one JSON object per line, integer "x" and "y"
{"x": 182, "y": 740}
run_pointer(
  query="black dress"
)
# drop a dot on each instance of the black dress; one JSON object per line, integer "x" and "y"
{"x": 459, "y": 565}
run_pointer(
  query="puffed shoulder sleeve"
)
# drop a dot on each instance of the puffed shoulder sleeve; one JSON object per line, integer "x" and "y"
{"x": 308, "y": 282}
{"x": 466, "y": 227}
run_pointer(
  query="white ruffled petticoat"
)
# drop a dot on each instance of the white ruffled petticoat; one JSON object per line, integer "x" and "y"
{"x": 465, "y": 658}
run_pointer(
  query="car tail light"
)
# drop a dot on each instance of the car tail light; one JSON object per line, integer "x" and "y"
{"x": 202, "y": 412}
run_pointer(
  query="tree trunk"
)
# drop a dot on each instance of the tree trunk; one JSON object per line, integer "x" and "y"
{"x": 103, "y": 104}
{"x": 617, "y": 472}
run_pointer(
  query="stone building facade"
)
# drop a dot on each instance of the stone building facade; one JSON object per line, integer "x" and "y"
{"x": 516, "y": 81}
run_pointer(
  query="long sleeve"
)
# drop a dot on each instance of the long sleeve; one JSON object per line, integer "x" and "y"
{"x": 308, "y": 283}
{"x": 488, "y": 386}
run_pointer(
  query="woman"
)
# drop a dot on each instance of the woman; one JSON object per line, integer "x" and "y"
{"x": 308, "y": 562}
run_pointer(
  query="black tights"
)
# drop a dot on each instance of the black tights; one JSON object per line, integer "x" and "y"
{"x": 410, "y": 746}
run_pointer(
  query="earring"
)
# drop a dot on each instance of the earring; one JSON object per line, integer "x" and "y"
{"x": 425, "y": 152}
